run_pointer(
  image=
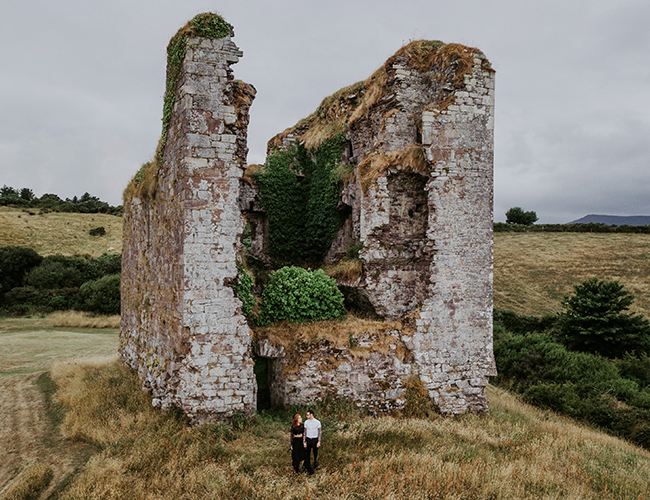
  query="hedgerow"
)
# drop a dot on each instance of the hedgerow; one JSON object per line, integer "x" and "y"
{"x": 33, "y": 284}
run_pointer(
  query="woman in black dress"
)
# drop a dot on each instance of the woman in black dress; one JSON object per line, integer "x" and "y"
{"x": 297, "y": 452}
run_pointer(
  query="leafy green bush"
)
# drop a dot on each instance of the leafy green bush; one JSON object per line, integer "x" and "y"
{"x": 59, "y": 271}
{"x": 27, "y": 299}
{"x": 516, "y": 215}
{"x": 521, "y": 323}
{"x": 53, "y": 282}
{"x": 15, "y": 262}
{"x": 108, "y": 263}
{"x": 580, "y": 385}
{"x": 102, "y": 295}
{"x": 296, "y": 294}
{"x": 244, "y": 291}
{"x": 594, "y": 320}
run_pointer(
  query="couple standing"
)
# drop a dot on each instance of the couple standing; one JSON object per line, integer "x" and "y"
{"x": 305, "y": 438}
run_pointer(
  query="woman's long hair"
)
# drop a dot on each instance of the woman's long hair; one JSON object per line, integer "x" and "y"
{"x": 295, "y": 420}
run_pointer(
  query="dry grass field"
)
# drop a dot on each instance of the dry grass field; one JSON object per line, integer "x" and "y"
{"x": 30, "y": 442}
{"x": 518, "y": 452}
{"x": 88, "y": 431}
{"x": 60, "y": 233}
{"x": 533, "y": 271}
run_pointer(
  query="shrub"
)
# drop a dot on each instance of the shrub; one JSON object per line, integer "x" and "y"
{"x": 516, "y": 215}
{"x": 102, "y": 295}
{"x": 296, "y": 294}
{"x": 594, "y": 320}
{"x": 15, "y": 262}
{"x": 521, "y": 323}
{"x": 97, "y": 231}
{"x": 27, "y": 299}
{"x": 56, "y": 273}
{"x": 580, "y": 385}
{"x": 108, "y": 263}
{"x": 244, "y": 291}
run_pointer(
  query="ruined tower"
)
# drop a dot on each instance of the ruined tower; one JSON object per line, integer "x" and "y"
{"x": 416, "y": 141}
{"x": 182, "y": 327}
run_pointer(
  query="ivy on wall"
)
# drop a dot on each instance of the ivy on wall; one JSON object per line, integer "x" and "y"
{"x": 300, "y": 195}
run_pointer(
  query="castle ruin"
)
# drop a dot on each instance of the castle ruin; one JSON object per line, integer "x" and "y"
{"x": 417, "y": 140}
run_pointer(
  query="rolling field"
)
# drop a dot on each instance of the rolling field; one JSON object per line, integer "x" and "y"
{"x": 533, "y": 271}
{"x": 58, "y": 232}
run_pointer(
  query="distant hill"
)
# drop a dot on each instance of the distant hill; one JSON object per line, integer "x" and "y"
{"x": 614, "y": 220}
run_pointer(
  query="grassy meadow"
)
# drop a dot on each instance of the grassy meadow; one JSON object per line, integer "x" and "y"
{"x": 533, "y": 271}
{"x": 75, "y": 424}
{"x": 33, "y": 452}
{"x": 58, "y": 232}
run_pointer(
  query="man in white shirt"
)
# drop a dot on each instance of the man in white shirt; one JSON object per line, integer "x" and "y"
{"x": 311, "y": 440}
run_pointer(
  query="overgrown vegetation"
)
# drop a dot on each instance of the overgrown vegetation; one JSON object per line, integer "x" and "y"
{"x": 613, "y": 394}
{"x": 516, "y": 452}
{"x": 35, "y": 284}
{"x": 86, "y": 204}
{"x": 244, "y": 290}
{"x": 297, "y": 294}
{"x": 300, "y": 195}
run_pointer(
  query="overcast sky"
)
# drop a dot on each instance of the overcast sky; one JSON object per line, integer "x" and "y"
{"x": 82, "y": 82}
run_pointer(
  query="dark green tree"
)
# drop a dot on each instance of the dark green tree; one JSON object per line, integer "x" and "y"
{"x": 15, "y": 262}
{"x": 516, "y": 215}
{"x": 26, "y": 194}
{"x": 595, "y": 320}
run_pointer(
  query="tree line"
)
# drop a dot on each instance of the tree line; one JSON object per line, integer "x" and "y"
{"x": 87, "y": 203}
{"x": 33, "y": 284}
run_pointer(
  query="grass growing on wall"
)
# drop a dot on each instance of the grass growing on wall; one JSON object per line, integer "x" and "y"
{"x": 341, "y": 110}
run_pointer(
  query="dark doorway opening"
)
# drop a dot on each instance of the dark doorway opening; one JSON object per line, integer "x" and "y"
{"x": 263, "y": 375}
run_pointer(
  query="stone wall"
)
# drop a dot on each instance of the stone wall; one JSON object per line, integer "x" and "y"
{"x": 421, "y": 204}
{"x": 419, "y": 136}
{"x": 182, "y": 326}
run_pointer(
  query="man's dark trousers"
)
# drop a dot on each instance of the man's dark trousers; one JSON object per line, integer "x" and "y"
{"x": 311, "y": 445}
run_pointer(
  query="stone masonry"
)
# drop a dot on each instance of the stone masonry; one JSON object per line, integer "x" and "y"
{"x": 182, "y": 327}
{"x": 425, "y": 220}
{"x": 420, "y": 202}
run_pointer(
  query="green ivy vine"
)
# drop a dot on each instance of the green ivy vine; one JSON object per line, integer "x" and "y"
{"x": 301, "y": 195}
{"x": 206, "y": 25}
